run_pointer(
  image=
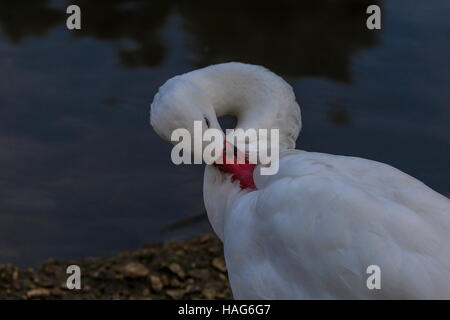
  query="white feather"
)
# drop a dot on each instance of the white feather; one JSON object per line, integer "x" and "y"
{"x": 311, "y": 230}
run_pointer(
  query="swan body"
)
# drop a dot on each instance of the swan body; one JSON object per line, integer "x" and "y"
{"x": 311, "y": 230}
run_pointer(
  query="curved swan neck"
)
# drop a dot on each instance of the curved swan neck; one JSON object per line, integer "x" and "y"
{"x": 257, "y": 97}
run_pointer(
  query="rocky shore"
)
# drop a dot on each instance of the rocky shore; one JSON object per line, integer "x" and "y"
{"x": 193, "y": 269}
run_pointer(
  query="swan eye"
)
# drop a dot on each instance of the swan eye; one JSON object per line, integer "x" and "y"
{"x": 207, "y": 122}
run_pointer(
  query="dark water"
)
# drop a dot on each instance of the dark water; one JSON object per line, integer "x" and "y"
{"x": 81, "y": 171}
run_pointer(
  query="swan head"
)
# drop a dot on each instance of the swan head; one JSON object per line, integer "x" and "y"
{"x": 178, "y": 104}
{"x": 259, "y": 99}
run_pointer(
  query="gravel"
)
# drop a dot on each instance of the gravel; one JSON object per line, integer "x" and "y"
{"x": 172, "y": 270}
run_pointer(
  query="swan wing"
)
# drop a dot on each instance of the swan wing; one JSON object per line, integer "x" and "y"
{"x": 313, "y": 229}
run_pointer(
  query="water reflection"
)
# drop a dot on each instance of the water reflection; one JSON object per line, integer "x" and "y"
{"x": 133, "y": 28}
{"x": 293, "y": 38}
{"x": 21, "y": 19}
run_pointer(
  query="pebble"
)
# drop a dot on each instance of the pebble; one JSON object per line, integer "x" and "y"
{"x": 175, "y": 294}
{"x": 57, "y": 292}
{"x": 219, "y": 264}
{"x": 156, "y": 283}
{"x": 175, "y": 283}
{"x": 220, "y": 295}
{"x": 206, "y": 238}
{"x": 45, "y": 282}
{"x": 176, "y": 268}
{"x": 38, "y": 293}
{"x": 214, "y": 249}
{"x": 135, "y": 270}
{"x": 209, "y": 293}
{"x": 165, "y": 280}
{"x": 199, "y": 273}
{"x": 222, "y": 277}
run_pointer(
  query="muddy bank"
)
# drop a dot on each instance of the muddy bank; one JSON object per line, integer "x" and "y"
{"x": 173, "y": 270}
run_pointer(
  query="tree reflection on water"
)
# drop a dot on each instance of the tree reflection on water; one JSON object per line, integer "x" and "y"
{"x": 293, "y": 38}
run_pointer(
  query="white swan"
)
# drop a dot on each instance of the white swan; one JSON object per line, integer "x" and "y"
{"x": 312, "y": 230}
